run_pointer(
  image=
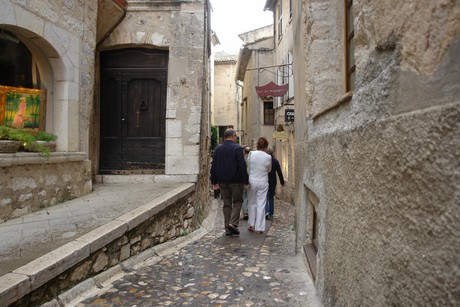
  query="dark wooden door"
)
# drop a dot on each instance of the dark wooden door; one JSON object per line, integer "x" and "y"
{"x": 133, "y": 111}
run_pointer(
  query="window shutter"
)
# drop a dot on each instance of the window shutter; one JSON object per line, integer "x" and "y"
{"x": 290, "y": 69}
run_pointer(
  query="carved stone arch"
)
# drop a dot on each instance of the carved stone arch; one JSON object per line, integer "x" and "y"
{"x": 57, "y": 76}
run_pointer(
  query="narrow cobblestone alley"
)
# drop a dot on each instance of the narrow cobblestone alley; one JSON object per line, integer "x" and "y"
{"x": 250, "y": 270}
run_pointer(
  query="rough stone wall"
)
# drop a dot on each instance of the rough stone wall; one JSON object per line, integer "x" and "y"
{"x": 388, "y": 236}
{"x": 226, "y": 111}
{"x": 26, "y": 188}
{"x": 177, "y": 220}
{"x": 384, "y": 164}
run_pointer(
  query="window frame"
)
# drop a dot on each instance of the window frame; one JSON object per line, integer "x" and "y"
{"x": 269, "y": 119}
{"x": 311, "y": 245}
{"x": 280, "y": 20}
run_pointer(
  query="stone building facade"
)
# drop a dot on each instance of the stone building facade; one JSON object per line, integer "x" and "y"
{"x": 225, "y": 108}
{"x": 283, "y": 74}
{"x": 72, "y": 45}
{"x": 256, "y": 52}
{"x": 377, "y": 136}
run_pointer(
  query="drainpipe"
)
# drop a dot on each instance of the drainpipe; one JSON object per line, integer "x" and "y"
{"x": 239, "y": 84}
{"x": 205, "y": 112}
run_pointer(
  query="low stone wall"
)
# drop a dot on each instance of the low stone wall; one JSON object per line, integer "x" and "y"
{"x": 30, "y": 182}
{"x": 161, "y": 220}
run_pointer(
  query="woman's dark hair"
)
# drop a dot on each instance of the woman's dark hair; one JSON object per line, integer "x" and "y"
{"x": 262, "y": 143}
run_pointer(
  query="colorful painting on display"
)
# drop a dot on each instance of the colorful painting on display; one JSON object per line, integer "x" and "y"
{"x": 22, "y": 107}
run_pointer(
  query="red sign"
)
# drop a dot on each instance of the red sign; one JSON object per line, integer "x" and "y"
{"x": 272, "y": 89}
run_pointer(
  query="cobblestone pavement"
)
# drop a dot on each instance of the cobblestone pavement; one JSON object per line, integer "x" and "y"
{"x": 216, "y": 270}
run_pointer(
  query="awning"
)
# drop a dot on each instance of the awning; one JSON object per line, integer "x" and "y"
{"x": 272, "y": 89}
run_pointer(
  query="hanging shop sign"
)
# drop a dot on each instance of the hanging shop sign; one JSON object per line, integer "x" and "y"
{"x": 280, "y": 135}
{"x": 272, "y": 89}
{"x": 289, "y": 115}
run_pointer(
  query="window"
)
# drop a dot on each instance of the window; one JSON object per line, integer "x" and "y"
{"x": 350, "y": 66}
{"x": 279, "y": 80}
{"x": 17, "y": 67}
{"x": 285, "y": 75}
{"x": 311, "y": 248}
{"x": 280, "y": 20}
{"x": 269, "y": 113}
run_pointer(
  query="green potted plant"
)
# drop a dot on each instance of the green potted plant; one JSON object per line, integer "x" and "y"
{"x": 7, "y": 144}
{"x": 43, "y": 142}
{"x": 13, "y": 139}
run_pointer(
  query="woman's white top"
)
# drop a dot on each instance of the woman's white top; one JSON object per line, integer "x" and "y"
{"x": 260, "y": 164}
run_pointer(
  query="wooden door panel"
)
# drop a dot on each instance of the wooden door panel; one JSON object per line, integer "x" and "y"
{"x": 144, "y": 155}
{"x": 133, "y": 110}
{"x": 111, "y": 119}
{"x": 143, "y": 135}
{"x": 145, "y": 108}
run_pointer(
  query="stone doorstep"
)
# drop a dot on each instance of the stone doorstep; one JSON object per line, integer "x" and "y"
{"x": 31, "y": 276}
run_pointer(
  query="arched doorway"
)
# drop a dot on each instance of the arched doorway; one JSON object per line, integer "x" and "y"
{"x": 28, "y": 60}
{"x": 133, "y": 111}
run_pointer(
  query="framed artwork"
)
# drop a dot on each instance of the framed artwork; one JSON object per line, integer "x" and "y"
{"x": 22, "y": 107}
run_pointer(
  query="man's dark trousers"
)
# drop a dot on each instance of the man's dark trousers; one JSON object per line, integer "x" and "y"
{"x": 232, "y": 193}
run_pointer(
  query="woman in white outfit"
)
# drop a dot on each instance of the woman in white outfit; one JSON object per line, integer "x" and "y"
{"x": 259, "y": 164}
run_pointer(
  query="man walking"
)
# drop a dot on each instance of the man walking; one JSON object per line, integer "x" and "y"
{"x": 229, "y": 174}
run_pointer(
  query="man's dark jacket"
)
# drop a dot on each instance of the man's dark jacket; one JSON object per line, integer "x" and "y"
{"x": 228, "y": 165}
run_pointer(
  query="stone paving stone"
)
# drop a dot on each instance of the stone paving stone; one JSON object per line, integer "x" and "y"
{"x": 250, "y": 270}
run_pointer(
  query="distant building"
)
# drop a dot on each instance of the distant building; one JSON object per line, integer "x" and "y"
{"x": 225, "y": 111}
{"x": 257, "y": 114}
{"x": 262, "y": 62}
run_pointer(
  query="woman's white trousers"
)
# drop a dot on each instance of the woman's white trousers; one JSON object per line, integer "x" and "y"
{"x": 257, "y": 197}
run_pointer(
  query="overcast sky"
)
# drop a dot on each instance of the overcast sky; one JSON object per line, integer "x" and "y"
{"x": 232, "y": 17}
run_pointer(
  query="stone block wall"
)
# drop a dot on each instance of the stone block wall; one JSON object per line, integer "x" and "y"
{"x": 30, "y": 182}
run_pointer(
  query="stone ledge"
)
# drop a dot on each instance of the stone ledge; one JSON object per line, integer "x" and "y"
{"x": 54, "y": 263}
{"x": 133, "y": 178}
{"x": 13, "y": 286}
{"x": 103, "y": 235}
{"x": 24, "y": 158}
